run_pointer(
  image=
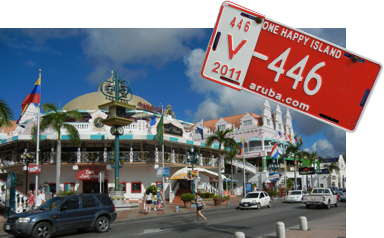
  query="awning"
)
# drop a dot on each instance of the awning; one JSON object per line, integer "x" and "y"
{"x": 229, "y": 180}
{"x": 90, "y": 174}
{"x": 182, "y": 173}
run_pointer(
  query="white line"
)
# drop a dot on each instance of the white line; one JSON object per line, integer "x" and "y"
{"x": 260, "y": 56}
{"x": 152, "y": 230}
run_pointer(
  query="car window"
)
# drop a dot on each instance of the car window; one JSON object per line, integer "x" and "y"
{"x": 262, "y": 195}
{"x": 52, "y": 203}
{"x": 105, "y": 200}
{"x": 71, "y": 203}
{"x": 89, "y": 201}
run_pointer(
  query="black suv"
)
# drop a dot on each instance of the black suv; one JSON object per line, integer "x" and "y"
{"x": 64, "y": 213}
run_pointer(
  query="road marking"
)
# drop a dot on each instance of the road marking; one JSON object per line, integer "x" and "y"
{"x": 152, "y": 230}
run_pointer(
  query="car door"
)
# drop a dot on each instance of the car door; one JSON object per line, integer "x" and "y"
{"x": 262, "y": 199}
{"x": 68, "y": 216}
{"x": 89, "y": 209}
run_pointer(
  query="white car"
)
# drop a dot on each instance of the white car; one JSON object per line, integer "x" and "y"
{"x": 295, "y": 196}
{"x": 255, "y": 200}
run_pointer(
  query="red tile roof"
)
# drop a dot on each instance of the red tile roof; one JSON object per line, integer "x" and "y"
{"x": 7, "y": 130}
{"x": 234, "y": 120}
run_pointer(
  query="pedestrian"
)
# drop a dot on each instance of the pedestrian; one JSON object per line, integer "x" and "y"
{"x": 160, "y": 199}
{"x": 199, "y": 206}
{"x": 148, "y": 201}
{"x": 31, "y": 200}
{"x": 39, "y": 199}
{"x": 155, "y": 207}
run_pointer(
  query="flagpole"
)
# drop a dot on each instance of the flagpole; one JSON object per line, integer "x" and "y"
{"x": 242, "y": 152}
{"x": 162, "y": 148}
{"x": 38, "y": 140}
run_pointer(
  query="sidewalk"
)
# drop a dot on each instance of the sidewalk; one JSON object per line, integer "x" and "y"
{"x": 333, "y": 227}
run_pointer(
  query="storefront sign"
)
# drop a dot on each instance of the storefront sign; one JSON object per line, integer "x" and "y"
{"x": 35, "y": 169}
{"x": 162, "y": 172}
{"x": 171, "y": 129}
{"x": 148, "y": 107}
{"x": 192, "y": 174}
{"x": 306, "y": 171}
{"x": 89, "y": 174}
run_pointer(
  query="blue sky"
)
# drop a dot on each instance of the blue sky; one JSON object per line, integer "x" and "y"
{"x": 162, "y": 66}
{"x": 19, "y": 66}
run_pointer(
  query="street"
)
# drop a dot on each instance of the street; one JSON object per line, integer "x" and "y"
{"x": 220, "y": 223}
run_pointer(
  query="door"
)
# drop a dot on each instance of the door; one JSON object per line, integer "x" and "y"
{"x": 94, "y": 187}
{"x": 70, "y": 217}
{"x": 89, "y": 209}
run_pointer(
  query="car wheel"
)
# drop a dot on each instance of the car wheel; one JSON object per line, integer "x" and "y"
{"x": 307, "y": 206}
{"x": 102, "y": 224}
{"x": 270, "y": 204}
{"x": 336, "y": 204}
{"x": 258, "y": 206}
{"x": 42, "y": 230}
{"x": 329, "y": 205}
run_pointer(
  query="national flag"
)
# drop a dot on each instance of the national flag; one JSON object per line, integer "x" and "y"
{"x": 160, "y": 130}
{"x": 153, "y": 118}
{"x": 200, "y": 127}
{"x": 241, "y": 145}
{"x": 295, "y": 138}
{"x": 301, "y": 141}
{"x": 274, "y": 151}
{"x": 32, "y": 97}
{"x": 290, "y": 138}
{"x": 280, "y": 134}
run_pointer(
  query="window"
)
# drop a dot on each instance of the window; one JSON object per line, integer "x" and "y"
{"x": 72, "y": 203}
{"x": 159, "y": 185}
{"x": 268, "y": 122}
{"x": 136, "y": 187}
{"x": 247, "y": 123}
{"x": 69, "y": 186}
{"x": 123, "y": 187}
{"x": 262, "y": 195}
{"x": 88, "y": 201}
{"x": 221, "y": 128}
{"x": 105, "y": 200}
{"x": 279, "y": 127}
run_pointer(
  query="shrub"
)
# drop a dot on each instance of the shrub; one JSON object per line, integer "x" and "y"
{"x": 66, "y": 193}
{"x": 187, "y": 197}
{"x": 152, "y": 189}
{"x": 217, "y": 196}
{"x": 227, "y": 197}
{"x": 202, "y": 195}
{"x": 272, "y": 193}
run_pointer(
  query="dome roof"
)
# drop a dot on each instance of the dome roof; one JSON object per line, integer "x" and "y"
{"x": 91, "y": 101}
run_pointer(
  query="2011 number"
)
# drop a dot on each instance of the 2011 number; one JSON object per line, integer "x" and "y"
{"x": 223, "y": 70}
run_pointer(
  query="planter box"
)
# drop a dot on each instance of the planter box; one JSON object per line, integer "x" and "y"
{"x": 217, "y": 201}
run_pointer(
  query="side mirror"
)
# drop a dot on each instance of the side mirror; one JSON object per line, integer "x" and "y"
{"x": 63, "y": 208}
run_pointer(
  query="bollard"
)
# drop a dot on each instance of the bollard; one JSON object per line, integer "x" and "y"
{"x": 176, "y": 208}
{"x": 239, "y": 234}
{"x": 280, "y": 230}
{"x": 228, "y": 204}
{"x": 303, "y": 223}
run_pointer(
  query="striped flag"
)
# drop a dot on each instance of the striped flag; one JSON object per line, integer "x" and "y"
{"x": 241, "y": 145}
{"x": 32, "y": 97}
{"x": 274, "y": 151}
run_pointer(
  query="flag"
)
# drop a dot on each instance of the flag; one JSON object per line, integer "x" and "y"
{"x": 280, "y": 134}
{"x": 32, "y": 97}
{"x": 290, "y": 138}
{"x": 274, "y": 151}
{"x": 295, "y": 138}
{"x": 241, "y": 145}
{"x": 160, "y": 130}
{"x": 301, "y": 141}
{"x": 200, "y": 127}
{"x": 153, "y": 118}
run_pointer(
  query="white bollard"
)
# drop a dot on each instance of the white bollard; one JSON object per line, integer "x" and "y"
{"x": 280, "y": 230}
{"x": 239, "y": 234}
{"x": 303, "y": 223}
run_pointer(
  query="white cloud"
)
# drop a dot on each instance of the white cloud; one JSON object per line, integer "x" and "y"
{"x": 324, "y": 148}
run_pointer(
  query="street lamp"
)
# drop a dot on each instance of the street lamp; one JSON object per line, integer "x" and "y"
{"x": 119, "y": 92}
{"x": 193, "y": 159}
{"x": 27, "y": 158}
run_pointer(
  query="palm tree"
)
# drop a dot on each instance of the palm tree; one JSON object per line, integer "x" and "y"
{"x": 231, "y": 156}
{"x": 295, "y": 150}
{"x": 220, "y": 136}
{"x": 313, "y": 157}
{"x": 331, "y": 167}
{"x": 6, "y": 114}
{"x": 57, "y": 120}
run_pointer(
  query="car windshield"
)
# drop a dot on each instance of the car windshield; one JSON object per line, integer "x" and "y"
{"x": 252, "y": 195}
{"x": 295, "y": 193}
{"x": 51, "y": 203}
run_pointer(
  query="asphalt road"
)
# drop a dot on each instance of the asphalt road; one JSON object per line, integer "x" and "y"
{"x": 220, "y": 223}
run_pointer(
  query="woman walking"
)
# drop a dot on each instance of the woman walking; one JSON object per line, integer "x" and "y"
{"x": 148, "y": 201}
{"x": 199, "y": 206}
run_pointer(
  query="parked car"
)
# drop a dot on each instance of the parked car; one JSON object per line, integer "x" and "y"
{"x": 343, "y": 196}
{"x": 255, "y": 200}
{"x": 336, "y": 191}
{"x": 321, "y": 197}
{"x": 63, "y": 213}
{"x": 295, "y": 196}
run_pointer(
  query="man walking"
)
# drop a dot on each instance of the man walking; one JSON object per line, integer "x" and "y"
{"x": 39, "y": 199}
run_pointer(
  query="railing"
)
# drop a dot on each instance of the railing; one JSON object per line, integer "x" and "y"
{"x": 21, "y": 199}
{"x": 104, "y": 156}
{"x": 174, "y": 187}
{"x": 207, "y": 187}
{"x": 250, "y": 167}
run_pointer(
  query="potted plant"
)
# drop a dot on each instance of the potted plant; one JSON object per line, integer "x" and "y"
{"x": 272, "y": 194}
{"x": 152, "y": 189}
{"x": 187, "y": 198}
{"x": 226, "y": 198}
{"x": 217, "y": 200}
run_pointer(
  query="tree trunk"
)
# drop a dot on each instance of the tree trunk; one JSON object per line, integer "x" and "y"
{"x": 295, "y": 185}
{"x": 220, "y": 179}
{"x": 58, "y": 166}
{"x": 231, "y": 178}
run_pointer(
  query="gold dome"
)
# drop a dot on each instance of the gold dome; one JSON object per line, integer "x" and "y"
{"x": 91, "y": 101}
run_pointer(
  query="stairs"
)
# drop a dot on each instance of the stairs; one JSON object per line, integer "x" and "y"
{"x": 177, "y": 199}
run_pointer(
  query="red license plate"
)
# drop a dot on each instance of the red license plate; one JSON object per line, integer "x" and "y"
{"x": 320, "y": 79}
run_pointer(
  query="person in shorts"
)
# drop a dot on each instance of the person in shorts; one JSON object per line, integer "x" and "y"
{"x": 199, "y": 206}
{"x": 31, "y": 200}
{"x": 148, "y": 201}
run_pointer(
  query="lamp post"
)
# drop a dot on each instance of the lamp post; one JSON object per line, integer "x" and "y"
{"x": 27, "y": 158}
{"x": 193, "y": 159}
{"x": 117, "y": 91}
